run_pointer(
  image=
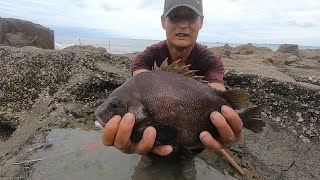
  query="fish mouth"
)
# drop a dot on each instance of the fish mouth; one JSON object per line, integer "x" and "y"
{"x": 182, "y": 34}
{"x": 99, "y": 123}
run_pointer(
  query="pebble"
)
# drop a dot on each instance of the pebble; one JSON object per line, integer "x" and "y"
{"x": 304, "y": 139}
{"x": 300, "y": 119}
{"x": 308, "y": 132}
{"x": 294, "y": 131}
{"x": 298, "y": 114}
{"x": 304, "y": 129}
{"x": 311, "y": 110}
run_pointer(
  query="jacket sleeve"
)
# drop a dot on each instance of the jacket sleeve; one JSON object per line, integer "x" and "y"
{"x": 143, "y": 60}
{"x": 215, "y": 69}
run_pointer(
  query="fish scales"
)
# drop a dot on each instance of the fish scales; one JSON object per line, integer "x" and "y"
{"x": 178, "y": 101}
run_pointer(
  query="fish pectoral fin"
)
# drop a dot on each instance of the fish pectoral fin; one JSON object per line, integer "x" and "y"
{"x": 237, "y": 98}
{"x": 251, "y": 118}
{"x": 165, "y": 134}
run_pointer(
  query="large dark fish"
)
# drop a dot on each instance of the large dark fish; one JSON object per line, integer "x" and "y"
{"x": 177, "y": 106}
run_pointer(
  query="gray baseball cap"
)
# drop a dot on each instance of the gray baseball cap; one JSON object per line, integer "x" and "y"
{"x": 195, "y": 5}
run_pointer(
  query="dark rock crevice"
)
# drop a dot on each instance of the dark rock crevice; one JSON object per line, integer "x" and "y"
{"x": 6, "y": 131}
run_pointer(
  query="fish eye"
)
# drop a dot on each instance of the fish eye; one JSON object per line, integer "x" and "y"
{"x": 114, "y": 102}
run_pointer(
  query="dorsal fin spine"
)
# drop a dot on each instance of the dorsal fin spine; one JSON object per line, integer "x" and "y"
{"x": 180, "y": 69}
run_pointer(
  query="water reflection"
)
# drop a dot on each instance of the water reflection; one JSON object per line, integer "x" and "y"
{"x": 89, "y": 159}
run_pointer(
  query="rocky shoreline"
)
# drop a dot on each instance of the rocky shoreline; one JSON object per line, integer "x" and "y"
{"x": 45, "y": 89}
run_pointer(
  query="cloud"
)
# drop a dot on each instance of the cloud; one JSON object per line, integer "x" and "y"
{"x": 150, "y": 4}
{"x": 235, "y": 21}
{"x": 263, "y": 21}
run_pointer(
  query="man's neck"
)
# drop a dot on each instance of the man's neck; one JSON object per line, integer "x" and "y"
{"x": 179, "y": 53}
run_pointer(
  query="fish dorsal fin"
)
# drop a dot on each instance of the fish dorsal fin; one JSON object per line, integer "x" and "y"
{"x": 155, "y": 66}
{"x": 181, "y": 69}
{"x": 164, "y": 65}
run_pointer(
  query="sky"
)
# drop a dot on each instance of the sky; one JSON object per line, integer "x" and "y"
{"x": 230, "y": 21}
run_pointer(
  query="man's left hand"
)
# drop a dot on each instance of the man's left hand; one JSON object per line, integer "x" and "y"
{"x": 229, "y": 126}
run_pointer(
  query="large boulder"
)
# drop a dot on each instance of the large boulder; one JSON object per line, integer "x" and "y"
{"x": 288, "y": 48}
{"x": 222, "y": 51}
{"x": 248, "y": 49}
{"x": 313, "y": 54}
{"x": 20, "y": 33}
{"x": 281, "y": 58}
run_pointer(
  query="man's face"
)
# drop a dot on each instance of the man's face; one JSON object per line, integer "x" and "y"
{"x": 182, "y": 27}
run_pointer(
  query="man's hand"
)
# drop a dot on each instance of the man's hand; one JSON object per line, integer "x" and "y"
{"x": 229, "y": 126}
{"x": 117, "y": 133}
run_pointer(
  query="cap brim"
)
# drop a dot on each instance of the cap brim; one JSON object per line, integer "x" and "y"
{"x": 185, "y": 5}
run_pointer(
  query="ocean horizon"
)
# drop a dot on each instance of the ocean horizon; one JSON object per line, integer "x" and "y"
{"x": 127, "y": 45}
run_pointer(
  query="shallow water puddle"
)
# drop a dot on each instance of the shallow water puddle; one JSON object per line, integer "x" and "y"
{"x": 78, "y": 154}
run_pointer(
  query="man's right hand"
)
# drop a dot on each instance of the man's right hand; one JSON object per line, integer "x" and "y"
{"x": 117, "y": 133}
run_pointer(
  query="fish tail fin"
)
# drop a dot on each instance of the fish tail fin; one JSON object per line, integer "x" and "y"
{"x": 237, "y": 98}
{"x": 251, "y": 118}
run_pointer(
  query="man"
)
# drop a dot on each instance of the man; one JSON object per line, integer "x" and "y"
{"x": 182, "y": 21}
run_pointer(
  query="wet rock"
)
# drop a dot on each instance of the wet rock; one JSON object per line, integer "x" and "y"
{"x": 20, "y": 33}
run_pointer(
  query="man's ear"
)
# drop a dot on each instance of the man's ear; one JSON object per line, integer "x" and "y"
{"x": 201, "y": 21}
{"x": 162, "y": 22}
